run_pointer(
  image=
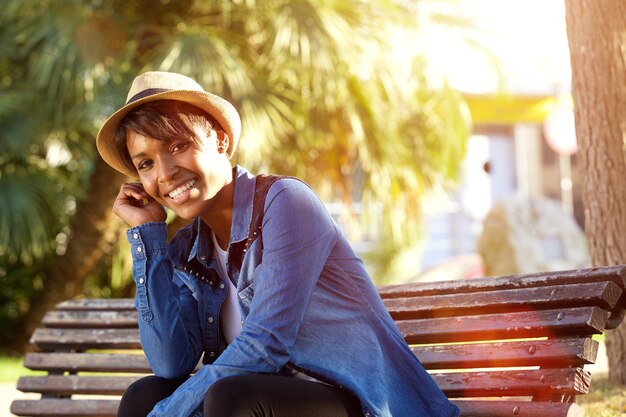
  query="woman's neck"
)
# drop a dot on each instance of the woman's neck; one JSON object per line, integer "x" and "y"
{"x": 219, "y": 217}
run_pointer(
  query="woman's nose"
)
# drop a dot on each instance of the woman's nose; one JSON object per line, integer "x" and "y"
{"x": 167, "y": 168}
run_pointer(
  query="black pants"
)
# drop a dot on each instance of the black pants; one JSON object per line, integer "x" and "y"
{"x": 248, "y": 396}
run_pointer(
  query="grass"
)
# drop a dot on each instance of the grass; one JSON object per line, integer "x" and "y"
{"x": 604, "y": 399}
{"x": 11, "y": 369}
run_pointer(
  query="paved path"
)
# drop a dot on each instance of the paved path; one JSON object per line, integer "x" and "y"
{"x": 8, "y": 393}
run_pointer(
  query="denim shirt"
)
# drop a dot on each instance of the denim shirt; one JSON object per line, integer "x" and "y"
{"x": 306, "y": 300}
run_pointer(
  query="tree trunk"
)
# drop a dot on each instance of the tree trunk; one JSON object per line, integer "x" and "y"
{"x": 597, "y": 44}
{"x": 92, "y": 229}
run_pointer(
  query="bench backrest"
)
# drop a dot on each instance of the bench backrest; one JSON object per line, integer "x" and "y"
{"x": 506, "y": 346}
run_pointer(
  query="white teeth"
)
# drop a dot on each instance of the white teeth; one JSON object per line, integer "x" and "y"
{"x": 177, "y": 192}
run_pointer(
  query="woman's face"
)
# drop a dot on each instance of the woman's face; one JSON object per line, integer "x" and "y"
{"x": 183, "y": 175}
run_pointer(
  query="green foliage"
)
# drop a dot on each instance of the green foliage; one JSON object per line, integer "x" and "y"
{"x": 319, "y": 84}
{"x": 19, "y": 284}
{"x": 30, "y": 212}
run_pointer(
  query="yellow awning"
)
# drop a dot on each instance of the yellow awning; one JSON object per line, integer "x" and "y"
{"x": 509, "y": 109}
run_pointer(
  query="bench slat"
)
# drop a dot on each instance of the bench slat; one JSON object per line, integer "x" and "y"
{"x": 81, "y": 339}
{"x": 97, "y": 304}
{"x": 569, "y": 381}
{"x": 601, "y": 294}
{"x": 86, "y": 362}
{"x": 91, "y": 319}
{"x": 616, "y": 274}
{"x": 546, "y": 323}
{"x": 471, "y": 408}
{"x": 53, "y": 407}
{"x": 74, "y": 384}
{"x": 552, "y": 352}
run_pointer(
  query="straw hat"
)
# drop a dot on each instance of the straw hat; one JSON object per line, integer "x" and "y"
{"x": 155, "y": 85}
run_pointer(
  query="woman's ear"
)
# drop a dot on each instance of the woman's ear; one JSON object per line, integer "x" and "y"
{"x": 223, "y": 141}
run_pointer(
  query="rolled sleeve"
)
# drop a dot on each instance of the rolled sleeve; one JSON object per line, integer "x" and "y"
{"x": 170, "y": 335}
{"x": 148, "y": 238}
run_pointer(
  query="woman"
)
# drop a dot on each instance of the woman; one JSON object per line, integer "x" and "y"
{"x": 261, "y": 285}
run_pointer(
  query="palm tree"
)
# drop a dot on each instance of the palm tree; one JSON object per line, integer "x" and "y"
{"x": 318, "y": 93}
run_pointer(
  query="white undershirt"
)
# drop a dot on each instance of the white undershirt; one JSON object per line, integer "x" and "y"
{"x": 230, "y": 315}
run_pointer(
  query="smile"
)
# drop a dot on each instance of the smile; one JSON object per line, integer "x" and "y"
{"x": 178, "y": 191}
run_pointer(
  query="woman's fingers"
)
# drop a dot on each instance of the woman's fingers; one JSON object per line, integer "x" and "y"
{"x": 135, "y": 206}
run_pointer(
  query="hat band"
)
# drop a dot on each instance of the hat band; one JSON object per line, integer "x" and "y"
{"x": 146, "y": 93}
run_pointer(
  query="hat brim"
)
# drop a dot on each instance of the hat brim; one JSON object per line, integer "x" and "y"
{"x": 223, "y": 112}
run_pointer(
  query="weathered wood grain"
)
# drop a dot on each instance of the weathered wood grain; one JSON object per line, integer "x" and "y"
{"x": 549, "y": 352}
{"x": 82, "y": 339}
{"x": 469, "y": 408}
{"x": 93, "y": 319}
{"x": 472, "y": 408}
{"x": 74, "y": 384}
{"x": 53, "y": 407}
{"x": 568, "y": 381}
{"x": 107, "y": 304}
{"x": 87, "y": 362}
{"x": 543, "y": 323}
{"x": 600, "y": 294}
{"x": 616, "y": 274}
{"x": 572, "y": 351}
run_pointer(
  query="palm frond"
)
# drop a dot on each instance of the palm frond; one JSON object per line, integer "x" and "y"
{"x": 31, "y": 208}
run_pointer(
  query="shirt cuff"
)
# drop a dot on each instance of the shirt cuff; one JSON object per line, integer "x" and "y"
{"x": 147, "y": 238}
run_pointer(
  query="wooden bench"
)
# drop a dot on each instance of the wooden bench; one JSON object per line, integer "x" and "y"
{"x": 506, "y": 346}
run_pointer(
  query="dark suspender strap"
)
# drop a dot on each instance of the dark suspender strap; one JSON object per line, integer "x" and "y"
{"x": 262, "y": 185}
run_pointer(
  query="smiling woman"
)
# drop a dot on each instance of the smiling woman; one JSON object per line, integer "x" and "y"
{"x": 262, "y": 286}
{"x": 177, "y": 150}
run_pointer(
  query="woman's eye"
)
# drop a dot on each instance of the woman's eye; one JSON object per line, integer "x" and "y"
{"x": 143, "y": 165}
{"x": 179, "y": 146}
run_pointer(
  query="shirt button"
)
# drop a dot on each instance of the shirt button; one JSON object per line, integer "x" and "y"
{"x": 211, "y": 354}
{"x": 141, "y": 280}
{"x": 222, "y": 285}
{"x": 135, "y": 235}
{"x": 203, "y": 257}
{"x": 210, "y": 319}
{"x": 139, "y": 249}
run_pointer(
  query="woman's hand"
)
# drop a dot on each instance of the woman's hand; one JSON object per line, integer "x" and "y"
{"x": 136, "y": 207}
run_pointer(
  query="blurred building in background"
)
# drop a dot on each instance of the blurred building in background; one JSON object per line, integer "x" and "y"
{"x": 524, "y": 141}
{"x": 523, "y": 144}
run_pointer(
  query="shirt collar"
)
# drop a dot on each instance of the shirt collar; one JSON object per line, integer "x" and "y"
{"x": 202, "y": 245}
{"x": 242, "y": 215}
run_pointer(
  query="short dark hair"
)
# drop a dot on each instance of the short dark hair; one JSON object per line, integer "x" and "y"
{"x": 163, "y": 120}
